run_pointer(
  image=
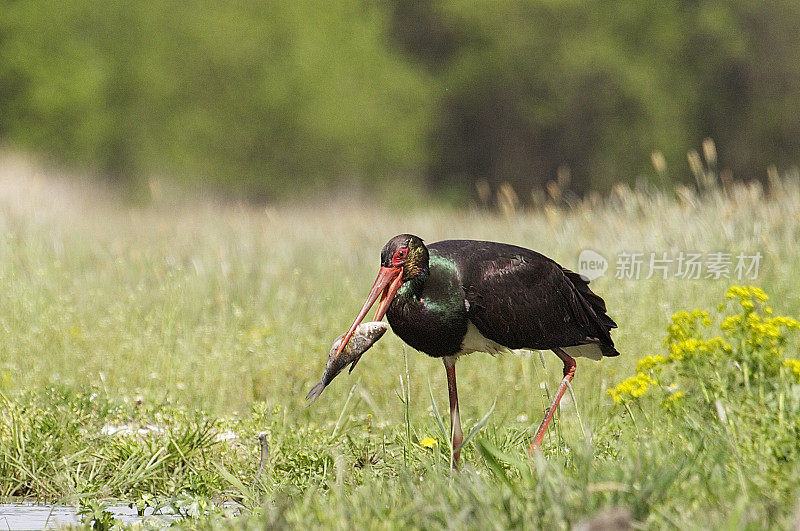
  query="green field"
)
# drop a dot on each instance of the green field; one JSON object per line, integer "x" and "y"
{"x": 197, "y": 320}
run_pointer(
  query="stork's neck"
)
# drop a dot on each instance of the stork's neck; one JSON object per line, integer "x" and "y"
{"x": 428, "y": 311}
{"x": 438, "y": 282}
{"x": 414, "y": 286}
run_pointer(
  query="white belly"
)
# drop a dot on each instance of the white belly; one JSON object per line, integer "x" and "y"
{"x": 474, "y": 341}
{"x": 589, "y": 350}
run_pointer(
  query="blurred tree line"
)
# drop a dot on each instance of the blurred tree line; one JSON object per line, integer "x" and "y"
{"x": 270, "y": 99}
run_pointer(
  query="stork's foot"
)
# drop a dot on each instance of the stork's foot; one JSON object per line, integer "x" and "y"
{"x": 569, "y": 373}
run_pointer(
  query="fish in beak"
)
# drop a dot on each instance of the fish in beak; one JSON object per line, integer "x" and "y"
{"x": 366, "y": 334}
{"x": 386, "y": 285}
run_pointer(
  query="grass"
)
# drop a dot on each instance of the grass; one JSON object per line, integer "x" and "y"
{"x": 194, "y": 321}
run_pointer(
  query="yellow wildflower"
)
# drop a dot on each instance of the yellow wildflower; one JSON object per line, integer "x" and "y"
{"x": 759, "y": 336}
{"x": 786, "y": 322}
{"x": 634, "y": 387}
{"x": 747, "y": 293}
{"x": 747, "y": 296}
{"x": 680, "y": 350}
{"x": 428, "y": 442}
{"x": 763, "y": 333}
{"x": 731, "y": 322}
{"x": 684, "y": 325}
{"x": 76, "y": 332}
{"x": 794, "y": 367}
{"x": 649, "y": 363}
{"x": 672, "y": 399}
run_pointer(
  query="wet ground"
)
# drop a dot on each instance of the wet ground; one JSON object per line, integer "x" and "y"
{"x": 18, "y": 516}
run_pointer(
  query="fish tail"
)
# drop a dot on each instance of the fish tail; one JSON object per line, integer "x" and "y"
{"x": 315, "y": 392}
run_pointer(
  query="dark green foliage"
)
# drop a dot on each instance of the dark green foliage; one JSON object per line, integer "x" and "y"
{"x": 253, "y": 96}
{"x": 596, "y": 87}
{"x": 260, "y": 97}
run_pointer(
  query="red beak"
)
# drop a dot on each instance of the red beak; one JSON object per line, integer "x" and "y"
{"x": 386, "y": 285}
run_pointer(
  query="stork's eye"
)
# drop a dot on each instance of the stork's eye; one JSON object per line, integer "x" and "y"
{"x": 399, "y": 255}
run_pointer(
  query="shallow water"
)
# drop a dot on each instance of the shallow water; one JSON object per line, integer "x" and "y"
{"x": 19, "y": 516}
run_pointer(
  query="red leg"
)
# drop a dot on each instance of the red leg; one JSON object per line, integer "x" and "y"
{"x": 455, "y": 418}
{"x": 569, "y": 372}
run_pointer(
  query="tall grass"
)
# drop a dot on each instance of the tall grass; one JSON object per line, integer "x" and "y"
{"x": 190, "y": 310}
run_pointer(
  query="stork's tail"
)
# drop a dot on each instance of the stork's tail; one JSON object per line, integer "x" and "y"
{"x": 595, "y": 307}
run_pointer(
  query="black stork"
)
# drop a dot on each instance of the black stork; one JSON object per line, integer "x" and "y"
{"x": 459, "y": 296}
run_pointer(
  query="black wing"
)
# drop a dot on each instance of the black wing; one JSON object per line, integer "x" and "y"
{"x": 522, "y": 299}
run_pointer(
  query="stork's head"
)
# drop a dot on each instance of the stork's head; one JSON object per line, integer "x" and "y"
{"x": 407, "y": 253}
{"x": 403, "y": 258}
